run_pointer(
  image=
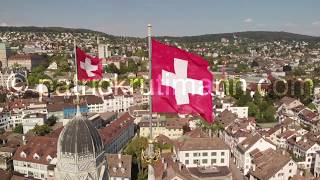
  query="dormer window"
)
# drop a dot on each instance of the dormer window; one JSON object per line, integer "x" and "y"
{"x": 49, "y": 158}
{"x": 36, "y": 156}
{"x": 23, "y": 154}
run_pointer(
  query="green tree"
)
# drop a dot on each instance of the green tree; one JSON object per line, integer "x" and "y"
{"x": 112, "y": 68}
{"x": 253, "y": 109}
{"x": 134, "y": 148}
{"x": 257, "y": 98}
{"x": 132, "y": 66}
{"x": 51, "y": 120}
{"x": 312, "y": 106}
{"x": 18, "y": 129}
{"x": 269, "y": 114}
{"x": 244, "y": 99}
{"x": 41, "y": 130}
{"x": 3, "y": 98}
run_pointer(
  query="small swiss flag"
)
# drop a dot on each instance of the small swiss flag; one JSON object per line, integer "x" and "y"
{"x": 181, "y": 82}
{"x": 89, "y": 68}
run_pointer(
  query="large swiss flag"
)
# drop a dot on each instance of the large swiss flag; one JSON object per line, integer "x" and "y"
{"x": 181, "y": 82}
{"x": 89, "y": 68}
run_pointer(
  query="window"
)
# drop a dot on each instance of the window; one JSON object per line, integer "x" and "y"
{"x": 290, "y": 164}
{"x": 222, "y": 153}
{"x": 205, "y": 154}
{"x": 195, "y": 161}
{"x": 213, "y": 161}
{"x": 213, "y": 153}
{"x": 187, "y": 162}
{"x": 222, "y": 160}
{"x": 195, "y": 154}
{"x": 187, "y": 155}
{"x": 204, "y": 161}
{"x": 290, "y": 171}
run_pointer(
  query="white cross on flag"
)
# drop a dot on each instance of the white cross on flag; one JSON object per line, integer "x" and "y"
{"x": 181, "y": 82}
{"x": 89, "y": 68}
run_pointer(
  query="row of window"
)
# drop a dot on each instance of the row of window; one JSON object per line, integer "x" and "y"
{"x": 205, "y": 154}
{"x": 204, "y": 161}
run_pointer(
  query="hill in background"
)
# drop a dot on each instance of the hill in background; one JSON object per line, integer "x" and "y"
{"x": 254, "y": 35}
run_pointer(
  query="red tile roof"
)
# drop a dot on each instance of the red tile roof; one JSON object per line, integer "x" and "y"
{"x": 42, "y": 145}
{"x": 115, "y": 128}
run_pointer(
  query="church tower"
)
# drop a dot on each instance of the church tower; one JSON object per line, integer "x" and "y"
{"x": 80, "y": 152}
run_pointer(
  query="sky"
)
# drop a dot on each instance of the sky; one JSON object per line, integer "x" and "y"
{"x": 168, "y": 17}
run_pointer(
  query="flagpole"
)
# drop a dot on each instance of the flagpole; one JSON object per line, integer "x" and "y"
{"x": 78, "y": 113}
{"x": 150, "y": 77}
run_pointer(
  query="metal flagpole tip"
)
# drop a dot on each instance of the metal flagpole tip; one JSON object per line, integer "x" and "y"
{"x": 149, "y": 30}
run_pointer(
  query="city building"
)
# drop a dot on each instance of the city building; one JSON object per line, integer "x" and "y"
{"x": 36, "y": 158}
{"x": 272, "y": 164}
{"x": 119, "y": 166}
{"x": 316, "y": 171}
{"x": 4, "y": 54}
{"x": 169, "y": 168}
{"x": 29, "y": 121}
{"x": 251, "y": 143}
{"x": 28, "y": 61}
{"x": 6, "y": 154}
{"x": 118, "y": 133}
{"x": 172, "y": 128}
{"x": 119, "y": 101}
{"x": 103, "y": 52}
{"x": 194, "y": 152}
{"x": 305, "y": 150}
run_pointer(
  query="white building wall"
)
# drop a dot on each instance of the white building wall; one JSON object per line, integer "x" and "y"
{"x": 317, "y": 165}
{"x": 39, "y": 171}
{"x": 243, "y": 160}
{"x": 204, "y": 157}
{"x": 156, "y": 131}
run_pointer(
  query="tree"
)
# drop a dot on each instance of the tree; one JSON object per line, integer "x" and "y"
{"x": 257, "y": 98}
{"x": 18, "y": 129}
{"x": 112, "y": 68}
{"x": 253, "y": 109}
{"x": 299, "y": 71}
{"x": 312, "y": 106}
{"x": 269, "y": 114}
{"x": 286, "y": 68}
{"x": 134, "y": 148}
{"x": 244, "y": 99}
{"x": 51, "y": 120}
{"x": 132, "y": 66}
{"x": 254, "y": 64}
{"x": 3, "y": 98}
{"x": 41, "y": 130}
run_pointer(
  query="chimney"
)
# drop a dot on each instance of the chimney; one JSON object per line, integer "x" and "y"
{"x": 162, "y": 160}
{"x": 298, "y": 138}
{"x": 254, "y": 167}
{"x": 122, "y": 170}
{"x": 165, "y": 166}
{"x": 283, "y": 152}
{"x": 180, "y": 166}
{"x": 119, "y": 156}
{"x": 24, "y": 141}
{"x": 120, "y": 164}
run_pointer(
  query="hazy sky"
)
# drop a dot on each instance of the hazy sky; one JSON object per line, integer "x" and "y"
{"x": 168, "y": 17}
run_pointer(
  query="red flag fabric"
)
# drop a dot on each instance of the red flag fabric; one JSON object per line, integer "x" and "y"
{"x": 89, "y": 68}
{"x": 181, "y": 82}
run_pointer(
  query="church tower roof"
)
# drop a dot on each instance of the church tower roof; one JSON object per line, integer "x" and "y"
{"x": 80, "y": 137}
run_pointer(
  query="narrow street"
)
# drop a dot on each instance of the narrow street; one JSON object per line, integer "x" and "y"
{"x": 236, "y": 174}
